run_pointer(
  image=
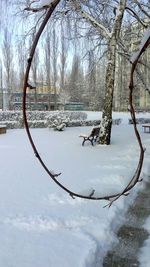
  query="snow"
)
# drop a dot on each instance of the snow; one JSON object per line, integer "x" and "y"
{"x": 117, "y": 115}
{"x": 144, "y": 40}
{"x": 41, "y": 225}
{"x": 41, "y": 3}
{"x": 144, "y": 257}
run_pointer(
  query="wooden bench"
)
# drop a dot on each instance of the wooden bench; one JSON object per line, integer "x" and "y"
{"x": 146, "y": 128}
{"x": 92, "y": 137}
{"x": 2, "y": 129}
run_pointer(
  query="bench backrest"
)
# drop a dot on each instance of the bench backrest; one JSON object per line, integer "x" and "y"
{"x": 95, "y": 131}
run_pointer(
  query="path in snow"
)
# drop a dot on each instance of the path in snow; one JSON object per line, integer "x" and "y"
{"x": 131, "y": 235}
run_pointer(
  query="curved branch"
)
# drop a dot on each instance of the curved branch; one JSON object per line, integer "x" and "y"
{"x": 54, "y": 176}
{"x": 134, "y": 14}
{"x": 142, "y": 9}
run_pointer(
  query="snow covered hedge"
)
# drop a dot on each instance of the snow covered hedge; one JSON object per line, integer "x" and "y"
{"x": 90, "y": 122}
{"x": 39, "y": 119}
{"x": 140, "y": 120}
{"x": 51, "y": 119}
{"x": 10, "y": 115}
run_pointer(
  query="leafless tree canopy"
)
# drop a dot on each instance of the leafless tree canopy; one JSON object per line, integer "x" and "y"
{"x": 112, "y": 35}
{"x": 81, "y": 44}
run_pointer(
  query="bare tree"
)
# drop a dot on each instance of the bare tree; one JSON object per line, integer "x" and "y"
{"x": 63, "y": 64}
{"x": 106, "y": 20}
{"x": 47, "y": 61}
{"x": 34, "y": 75}
{"x": 91, "y": 79}
{"x": 106, "y": 17}
{"x": 21, "y": 63}
{"x": 136, "y": 177}
{"x": 75, "y": 79}
{"x": 8, "y": 63}
{"x": 106, "y": 123}
{"x": 112, "y": 38}
{"x": 54, "y": 64}
{"x": 1, "y": 75}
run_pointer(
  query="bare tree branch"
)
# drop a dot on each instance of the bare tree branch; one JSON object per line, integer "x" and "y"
{"x": 96, "y": 24}
{"x": 142, "y": 9}
{"x": 136, "y": 177}
{"x": 127, "y": 55}
{"x": 133, "y": 13}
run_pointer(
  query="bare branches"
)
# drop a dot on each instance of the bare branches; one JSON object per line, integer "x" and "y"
{"x": 98, "y": 26}
{"x": 37, "y": 9}
{"x": 133, "y": 13}
{"x": 136, "y": 177}
{"x": 142, "y": 9}
{"x": 91, "y": 19}
{"x": 141, "y": 62}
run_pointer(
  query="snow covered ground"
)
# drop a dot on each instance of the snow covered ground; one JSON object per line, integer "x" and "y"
{"x": 117, "y": 115}
{"x": 144, "y": 256}
{"x": 42, "y": 226}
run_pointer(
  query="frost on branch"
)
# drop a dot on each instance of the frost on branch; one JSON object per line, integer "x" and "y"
{"x": 41, "y": 3}
{"x": 38, "y": 5}
{"x": 144, "y": 40}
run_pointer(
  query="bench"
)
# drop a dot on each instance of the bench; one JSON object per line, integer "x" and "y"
{"x": 2, "y": 129}
{"x": 92, "y": 137}
{"x": 146, "y": 128}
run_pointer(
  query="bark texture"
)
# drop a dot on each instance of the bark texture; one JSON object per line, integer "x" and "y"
{"x": 106, "y": 123}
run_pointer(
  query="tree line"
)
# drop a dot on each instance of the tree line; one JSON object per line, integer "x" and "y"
{"x": 78, "y": 51}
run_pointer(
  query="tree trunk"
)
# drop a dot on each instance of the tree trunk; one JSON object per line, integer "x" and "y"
{"x": 106, "y": 123}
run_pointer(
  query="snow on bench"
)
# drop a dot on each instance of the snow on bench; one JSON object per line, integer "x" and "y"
{"x": 92, "y": 136}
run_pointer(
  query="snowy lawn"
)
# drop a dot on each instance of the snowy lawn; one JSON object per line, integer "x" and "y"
{"x": 144, "y": 256}
{"x": 42, "y": 226}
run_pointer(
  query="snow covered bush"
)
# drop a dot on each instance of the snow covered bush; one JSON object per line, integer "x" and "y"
{"x": 51, "y": 119}
{"x": 56, "y": 118}
{"x": 40, "y": 119}
{"x": 36, "y": 115}
{"x": 60, "y": 127}
{"x": 37, "y": 124}
{"x": 140, "y": 120}
{"x": 10, "y": 115}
